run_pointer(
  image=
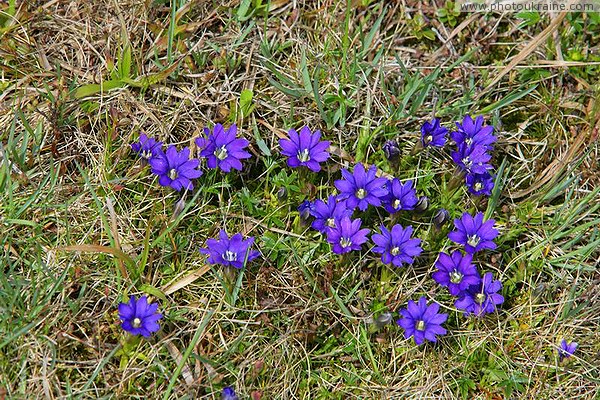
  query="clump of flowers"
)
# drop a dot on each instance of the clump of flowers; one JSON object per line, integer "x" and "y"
{"x": 222, "y": 148}
{"x": 232, "y": 252}
{"x": 175, "y": 169}
{"x": 422, "y": 321}
{"x": 474, "y": 141}
{"x": 305, "y": 149}
{"x": 138, "y": 317}
{"x": 396, "y": 246}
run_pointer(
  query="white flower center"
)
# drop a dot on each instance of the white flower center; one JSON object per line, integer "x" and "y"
{"x": 331, "y": 222}
{"x": 361, "y": 193}
{"x": 173, "y": 174}
{"x": 420, "y": 325}
{"x": 456, "y": 277}
{"x": 480, "y": 298}
{"x": 230, "y": 256}
{"x": 303, "y": 156}
{"x": 395, "y": 251}
{"x": 473, "y": 240}
{"x": 428, "y": 139}
{"x": 345, "y": 242}
{"x": 478, "y": 186}
{"x": 467, "y": 162}
{"x": 221, "y": 153}
{"x": 146, "y": 154}
{"x": 136, "y": 322}
{"x": 397, "y": 203}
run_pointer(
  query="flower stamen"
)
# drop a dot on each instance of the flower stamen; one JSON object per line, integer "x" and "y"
{"x": 361, "y": 193}
{"x": 304, "y": 155}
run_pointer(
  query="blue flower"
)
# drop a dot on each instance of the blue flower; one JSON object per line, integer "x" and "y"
{"x": 421, "y": 321}
{"x": 228, "y": 394}
{"x": 472, "y": 132}
{"x": 480, "y": 184}
{"x": 175, "y": 169}
{"x": 347, "y": 235}
{"x": 432, "y": 134}
{"x": 566, "y": 350}
{"x": 396, "y": 246}
{"x": 472, "y": 159}
{"x": 482, "y": 298}
{"x": 328, "y": 213}
{"x": 138, "y": 317}
{"x": 222, "y": 149}
{"x": 230, "y": 252}
{"x": 361, "y": 188}
{"x": 305, "y": 149}
{"x": 473, "y": 233}
{"x": 401, "y": 196}
{"x": 456, "y": 272}
{"x": 146, "y": 147}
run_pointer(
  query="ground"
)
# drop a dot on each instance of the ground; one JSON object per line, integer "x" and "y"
{"x": 85, "y": 224}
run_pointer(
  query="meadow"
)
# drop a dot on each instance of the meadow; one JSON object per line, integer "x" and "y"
{"x": 132, "y": 268}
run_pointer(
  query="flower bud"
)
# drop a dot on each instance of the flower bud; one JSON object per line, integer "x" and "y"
{"x": 391, "y": 150}
{"x": 441, "y": 217}
{"x": 422, "y": 204}
{"x": 282, "y": 194}
{"x": 384, "y": 319}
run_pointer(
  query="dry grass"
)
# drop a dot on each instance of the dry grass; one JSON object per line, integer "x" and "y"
{"x": 301, "y": 327}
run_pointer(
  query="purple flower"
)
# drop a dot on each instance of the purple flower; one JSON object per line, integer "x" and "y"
{"x": 396, "y": 247}
{"x": 479, "y": 184}
{"x": 472, "y": 159}
{"x": 474, "y": 133}
{"x": 473, "y": 233}
{"x": 482, "y": 298}
{"x": 456, "y": 272}
{"x": 347, "y": 235}
{"x": 146, "y": 147}
{"x": 228, "y": 394}
{"x": 305, "y": 149}
{"x": 401, "y": 196}
{"x": 175, "y": 169}
{"x": 566, "y": 350}
{"x": 139, "y": 317}
{"x": 432, "y": 134}
{"x": 327, "y": 214}
{"x": 361, "y": 188}
{"x": 422, "y": 321}
{"x": 230, "y": 252}
{"x": 222, "y": 149}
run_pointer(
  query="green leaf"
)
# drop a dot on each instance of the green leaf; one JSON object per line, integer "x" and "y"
{"x": 94, "y": 88}
{"x": 246, "y": 105}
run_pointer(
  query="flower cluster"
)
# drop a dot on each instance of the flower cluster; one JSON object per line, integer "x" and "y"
{"x": 358, "y": 189}
{"x": 221, "y": 148}
{"x": 474, "y": 141}
{"x": 476, "y": 295}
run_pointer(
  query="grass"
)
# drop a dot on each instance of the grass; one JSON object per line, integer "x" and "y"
{"x": 84, "y": 224}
